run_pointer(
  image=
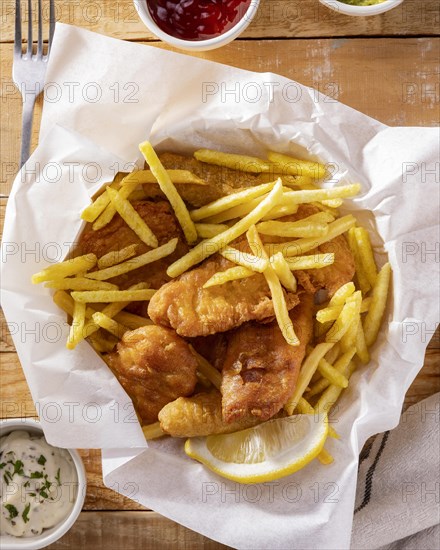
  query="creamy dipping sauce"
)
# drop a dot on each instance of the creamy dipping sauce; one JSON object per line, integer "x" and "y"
{"x": 38, "y": 484}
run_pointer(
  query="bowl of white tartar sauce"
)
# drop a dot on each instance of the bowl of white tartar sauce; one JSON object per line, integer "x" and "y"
{"x": 42, "y": 487}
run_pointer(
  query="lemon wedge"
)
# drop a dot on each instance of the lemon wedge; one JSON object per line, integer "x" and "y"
{"x": 271, "y": 450}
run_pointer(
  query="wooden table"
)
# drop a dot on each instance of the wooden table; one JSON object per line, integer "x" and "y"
{"x": 386, "y": 66}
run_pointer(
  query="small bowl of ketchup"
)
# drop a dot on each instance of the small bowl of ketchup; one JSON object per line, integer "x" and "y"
{"x": 196, "y": 25}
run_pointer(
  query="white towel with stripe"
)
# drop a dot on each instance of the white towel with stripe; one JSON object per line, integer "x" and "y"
{"x": 398, "y": 492}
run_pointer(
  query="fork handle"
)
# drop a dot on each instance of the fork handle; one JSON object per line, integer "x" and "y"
{"x": 28, "y": 111}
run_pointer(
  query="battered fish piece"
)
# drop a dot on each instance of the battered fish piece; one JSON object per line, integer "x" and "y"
{"x": 195, "y": 311}
{"x": 220, "y": 181}
{"x": 198, "y": 416}
{"x": 154, "y": 366}
{"x": 333, "y": 276}
{"x": 260, "y": 368}
{"x": 116, "y": 235}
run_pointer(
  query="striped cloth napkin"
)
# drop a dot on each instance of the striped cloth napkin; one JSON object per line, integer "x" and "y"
{"x": 398, "y": 492}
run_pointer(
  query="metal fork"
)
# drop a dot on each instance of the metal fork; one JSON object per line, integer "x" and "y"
{"x": 28, "y": 71}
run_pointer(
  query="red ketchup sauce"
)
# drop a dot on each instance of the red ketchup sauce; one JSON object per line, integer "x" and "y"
{"x": 197, "y": 19}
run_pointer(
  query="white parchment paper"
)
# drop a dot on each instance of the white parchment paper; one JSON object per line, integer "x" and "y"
{"x": 103, "y": 97}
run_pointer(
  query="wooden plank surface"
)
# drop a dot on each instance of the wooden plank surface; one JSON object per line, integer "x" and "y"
{"x": 274, "y": 19}
{"x": 131, "y": 531}
{"x": 406, "y": 94}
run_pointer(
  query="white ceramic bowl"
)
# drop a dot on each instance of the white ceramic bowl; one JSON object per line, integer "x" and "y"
{"x": 48, "y": 536}
{"x": 196, "y": 45}
{"x": 363, "y": 11}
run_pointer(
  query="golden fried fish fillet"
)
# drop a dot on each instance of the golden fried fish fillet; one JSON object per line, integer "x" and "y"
{"x": 220, "y": 181}
{"x": 199, "y": 415}
{"x": 116, "y": 235}
{"x": 195, "y": 311}
{"x": 154, "y": 366}
{"x": 260, "y": 368}
{"x": 331, "y": 277}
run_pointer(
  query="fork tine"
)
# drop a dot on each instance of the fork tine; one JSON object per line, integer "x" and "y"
{"x": 40, "y": 30}
{"x": 17, "y": 39}
{"x": 29, "y": 38}
{"x": 52, "y": 24}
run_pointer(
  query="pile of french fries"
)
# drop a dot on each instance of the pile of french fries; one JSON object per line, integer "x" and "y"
{"x": 346, "y": 326}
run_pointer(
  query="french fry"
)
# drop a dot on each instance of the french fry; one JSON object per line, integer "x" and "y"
{"x": 360, "y": 274}
{"x": 107, "y": 215}
{"x": 131, "y": 320}
{"x": 242, "y": 209}
{"x": 290, "y": 165}
{"x": 304, "y": 407}
{"x": 306, "y": 183}
{"x": 88, "y": 296}
{"x": 65, "y": 269}
{"x": 331, "y": 313}
{"x": 340, "y": 365}
{"x": 308, "y": 368}
{"x": 153, "y": 431}
{"x": 208, "y": 230}
{"x": 231, "y": 274}
{"x": 342, "y": 323}
{"x": 378, "y": 303}
{"x": 80, "y": 283}
{"x": 317, "y": 222}
{"x": 117, "y": 256}
{"x": 139, "y": 195}
{"x": 133, "y": 263}
{"x": 325, "y": 457}
{"x": 293, "y": 229}
{"x": 282, "y": 269}
{"x": 65, "y": 302}
{"x": 210, "y": 372}
{"x": 366, "y": 254}
{"x": 132, "y": 218}
{"x": 314, "y": 261}
{"x": 300, "y": 246}
{"x": 111, "y": 310}
{"x": 250, "y": 261}
{"x": 276, "y": 290}
{"x": 211, "y": 246}
{"x": 302, "y": 182}
{"x": 348, "y": 340}
{"x": 237, "y": 211}
{"x": 361, "y": 346}
{"x": 77, "y": 326}
{"x": 313, "y": 195}
{"x": 243, "y": 163}
{"x": 229, "y": 201}
{"x": 168, "y": 188}
{"x": 329, "y": 398}
{"x": 280, "y": 212}
{"x": 109, "y": 324}
{"x": 333, "y": 354}
{"x": 142, "y": 177}
{"x": 92, "y": 211}
{"x": 329, "y": 372}
{"x": 340, "y": 296}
